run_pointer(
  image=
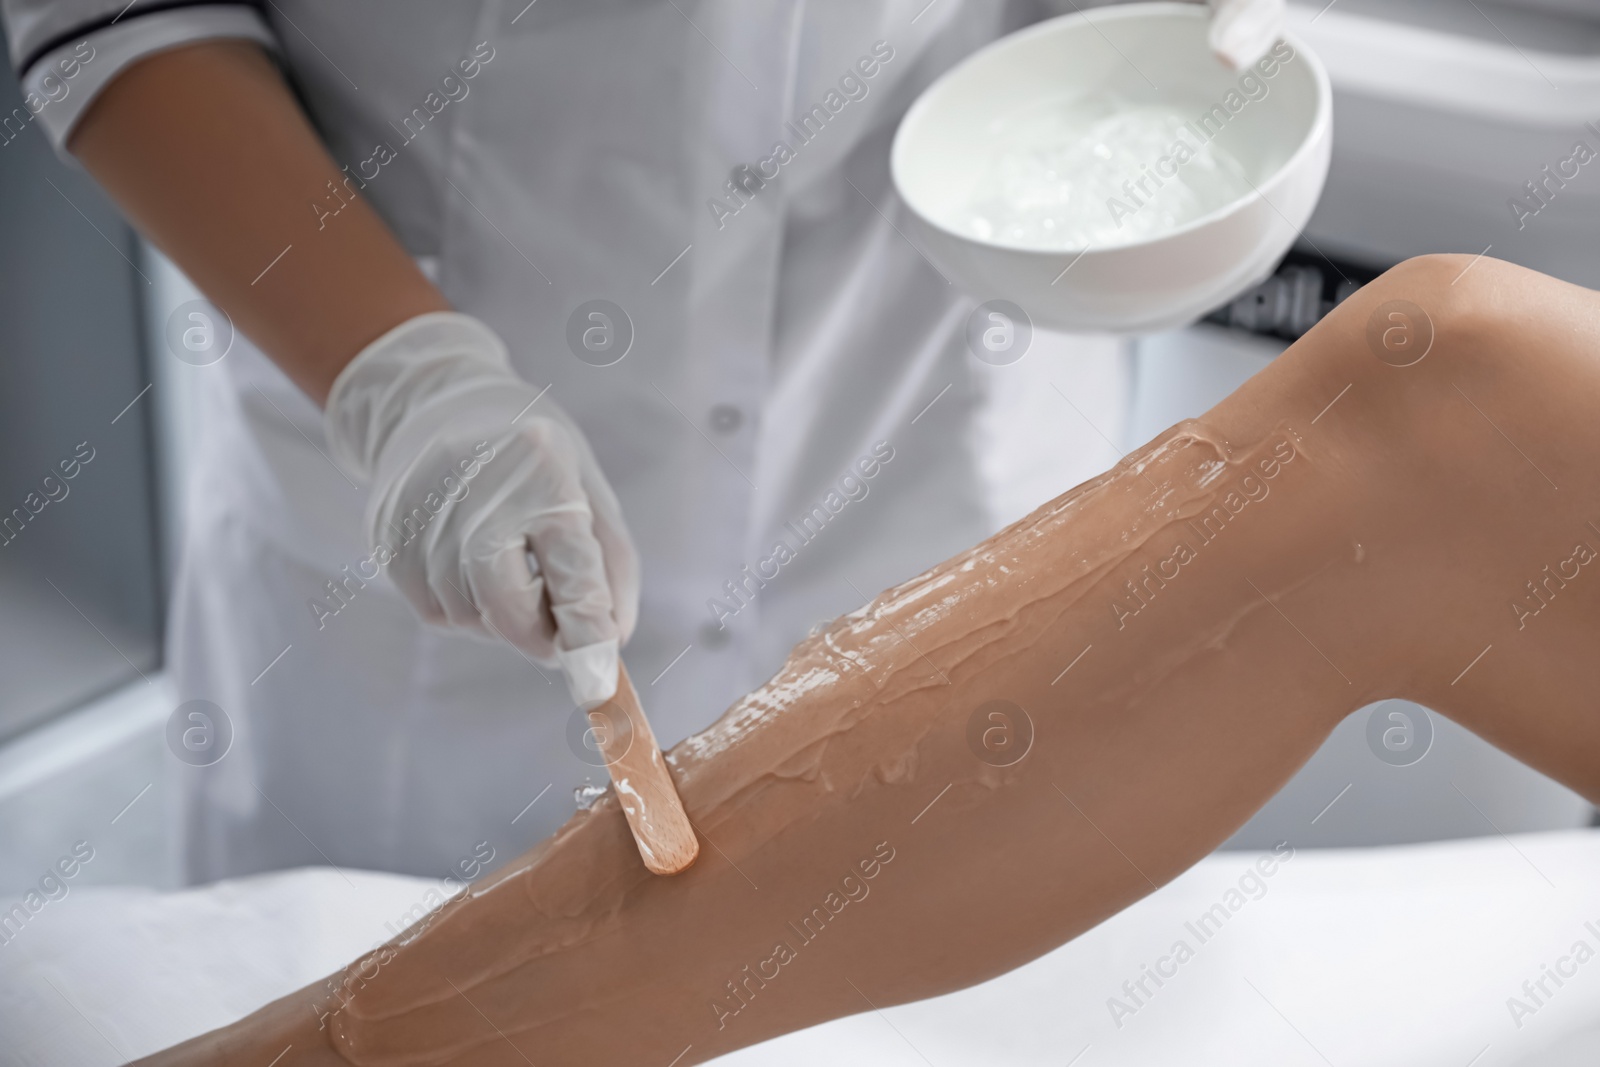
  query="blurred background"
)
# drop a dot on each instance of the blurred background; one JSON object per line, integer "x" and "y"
{"x": 1444, "y": 111}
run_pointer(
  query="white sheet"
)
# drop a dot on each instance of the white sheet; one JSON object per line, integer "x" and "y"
{"x": 1354, "y": 958}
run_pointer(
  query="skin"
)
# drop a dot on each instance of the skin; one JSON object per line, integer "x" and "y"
{"x": 1174, "y": 727}
{"x": 206, "y": 152}
{"x": 1389, "y": 554}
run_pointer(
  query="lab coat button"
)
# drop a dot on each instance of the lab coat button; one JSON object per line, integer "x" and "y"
{"x": 726, "y": 419}
{"x": 714, "y": 637}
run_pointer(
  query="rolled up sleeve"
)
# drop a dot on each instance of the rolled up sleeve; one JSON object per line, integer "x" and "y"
{"x": 67, "y": 51}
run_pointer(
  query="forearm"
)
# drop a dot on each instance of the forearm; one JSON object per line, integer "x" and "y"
{"x": 206, "y": 151}
{"x": 1369, "y": 554}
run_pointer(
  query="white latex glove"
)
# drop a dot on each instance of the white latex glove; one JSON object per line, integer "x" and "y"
{"x": 495, "y": 514}
{"x": 1243, "y": 30}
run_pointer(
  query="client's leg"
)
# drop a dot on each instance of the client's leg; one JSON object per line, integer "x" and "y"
{"x": 882, "y": 823}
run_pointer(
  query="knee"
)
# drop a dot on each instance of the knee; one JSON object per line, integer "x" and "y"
{"x": 1401, "y": 345}
{"x": 1444, "y": 304}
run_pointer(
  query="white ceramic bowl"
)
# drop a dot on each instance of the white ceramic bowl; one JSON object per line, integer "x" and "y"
{"x": 1144, "y": 53}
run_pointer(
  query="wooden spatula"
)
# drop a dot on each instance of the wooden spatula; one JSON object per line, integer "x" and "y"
{"x": 661, "y": 828}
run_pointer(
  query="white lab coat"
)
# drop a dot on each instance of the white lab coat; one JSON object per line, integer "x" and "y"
{"x": 775, "y": 348}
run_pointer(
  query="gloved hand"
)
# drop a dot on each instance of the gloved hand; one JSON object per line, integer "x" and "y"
{"x": 486, "y": 500}
{"x": 1243, "y": 30}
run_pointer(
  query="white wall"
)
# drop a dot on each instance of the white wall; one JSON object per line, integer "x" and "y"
{"x": 75, "y": 777}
